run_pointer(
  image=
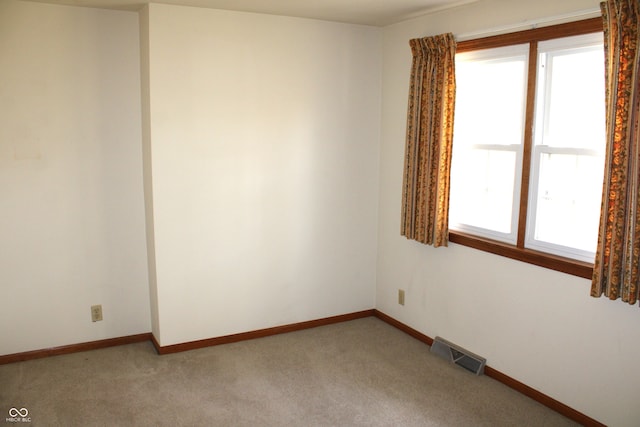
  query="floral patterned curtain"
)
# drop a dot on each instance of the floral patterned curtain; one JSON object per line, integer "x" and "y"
{"x": 425, "y": 196}
{"x": 616, "y": 269}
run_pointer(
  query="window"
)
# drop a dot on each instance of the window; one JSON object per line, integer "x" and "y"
{"x": 488, "y": 142}
{"x": 528, "y": 148}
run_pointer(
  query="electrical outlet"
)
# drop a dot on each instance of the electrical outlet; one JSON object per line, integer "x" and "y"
{"x": 401, "y": 296}
{"x": 96, "y": 313}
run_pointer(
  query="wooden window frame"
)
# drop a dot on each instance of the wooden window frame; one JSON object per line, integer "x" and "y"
{"x": 519, "y": 252}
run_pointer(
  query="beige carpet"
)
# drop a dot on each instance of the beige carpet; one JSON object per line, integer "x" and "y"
{"x": 358, "y": 373}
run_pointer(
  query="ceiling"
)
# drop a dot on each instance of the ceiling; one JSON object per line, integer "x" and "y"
{"x": 367, "y": 12}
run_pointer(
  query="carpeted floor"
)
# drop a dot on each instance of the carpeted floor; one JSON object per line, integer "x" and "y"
{"x": 358, "y": 373}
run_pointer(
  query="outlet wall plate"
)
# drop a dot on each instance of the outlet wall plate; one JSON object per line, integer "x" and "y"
{"x": 96, "y": 313}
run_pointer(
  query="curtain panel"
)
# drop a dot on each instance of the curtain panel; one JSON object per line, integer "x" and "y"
{"x": 615, "y": 272}
{"x": 427, "y": 164}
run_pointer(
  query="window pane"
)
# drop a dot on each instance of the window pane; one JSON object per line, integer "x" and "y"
{"x": 484, "y": 189}
{"x": 568, "y": 205}
{"x": 575, "y": 107}
{"x": 490, "y": 100}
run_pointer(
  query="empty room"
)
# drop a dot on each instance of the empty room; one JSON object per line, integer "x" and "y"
{"x": 249, "y": 212}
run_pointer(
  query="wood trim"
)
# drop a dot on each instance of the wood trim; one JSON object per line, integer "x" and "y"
{"x": 541, "y": 259}
{"x": 569, "y": 29}
{"x": 404, "y": 328}
{"x": 261, "y": 333}
{"x": 155, "y": 343}
{"x": 542, "y": 398}
{"x": 530, "y": 392}
{"x": 532, "y": 74}
{"x": 74, "y": 348}
{"x": 131, "y": 339}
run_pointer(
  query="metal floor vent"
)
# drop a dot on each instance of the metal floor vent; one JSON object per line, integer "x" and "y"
{"x": 458, "y": 355}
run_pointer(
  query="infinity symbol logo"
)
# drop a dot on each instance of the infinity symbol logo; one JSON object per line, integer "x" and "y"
{"x": 22, "y": 412}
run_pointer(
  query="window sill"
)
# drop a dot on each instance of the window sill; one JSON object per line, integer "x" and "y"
{"x": 541, "y": 259}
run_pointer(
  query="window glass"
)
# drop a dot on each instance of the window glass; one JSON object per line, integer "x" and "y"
{"x": 568, "y": 200}
{"x": 575, "y": 108}
{"x": 490, "y": 91}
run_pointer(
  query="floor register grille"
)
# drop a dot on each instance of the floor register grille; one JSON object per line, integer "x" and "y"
{"x": 458, "y": 355}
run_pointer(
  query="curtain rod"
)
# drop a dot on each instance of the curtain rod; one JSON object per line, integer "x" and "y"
{"x": 530, "y": 24}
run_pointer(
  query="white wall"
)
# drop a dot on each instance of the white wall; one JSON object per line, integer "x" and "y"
{"x": 538, "y": 326}
{"x": 264, "y": 139}
{"x": 71, "y": 205}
